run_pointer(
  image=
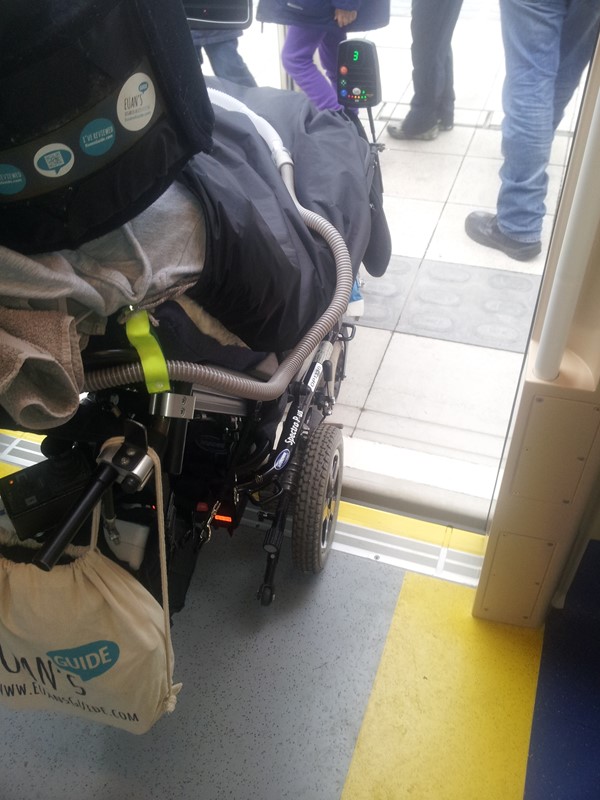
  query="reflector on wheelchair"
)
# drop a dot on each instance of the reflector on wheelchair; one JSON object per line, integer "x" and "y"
{"x": 102, "y": 104}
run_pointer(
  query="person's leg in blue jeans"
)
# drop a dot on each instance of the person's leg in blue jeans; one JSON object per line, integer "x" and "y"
{"x": 548, "y": 44}
{"x": 227, "y": 63}
{"x": 297, "y": 57}
{"x": 531, "y": 32}
{"x": 579, "y": 36}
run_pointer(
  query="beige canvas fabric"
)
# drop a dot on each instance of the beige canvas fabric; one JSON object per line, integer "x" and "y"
{"x": 86, "y": 639}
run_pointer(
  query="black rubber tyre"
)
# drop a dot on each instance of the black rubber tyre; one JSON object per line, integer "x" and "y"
{"x": 265, "y": 595}
{"x": 318, "y": 499}
{"x": 339, "y": 352}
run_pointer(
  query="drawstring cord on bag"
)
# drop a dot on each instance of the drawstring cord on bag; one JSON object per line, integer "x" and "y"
{"x": 171, "y": 699}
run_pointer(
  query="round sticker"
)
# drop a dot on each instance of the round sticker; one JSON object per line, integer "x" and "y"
{"x": 54, "y": 160}
{"x": 136, "y": 102}
{"x": 97, "y": 137}
{"x": 12, "y": 180}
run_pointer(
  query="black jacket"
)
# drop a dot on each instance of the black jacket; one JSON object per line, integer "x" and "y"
{"x": 372, "y": 14}
{"x": 266, "y": 276}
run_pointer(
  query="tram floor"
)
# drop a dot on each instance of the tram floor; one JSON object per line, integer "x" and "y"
{"x": 366, "y": 681}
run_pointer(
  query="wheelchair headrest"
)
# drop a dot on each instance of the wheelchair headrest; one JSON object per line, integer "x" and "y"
{"x": 103, "y": 101}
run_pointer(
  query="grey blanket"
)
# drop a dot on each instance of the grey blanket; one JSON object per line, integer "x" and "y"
{"x": 51, "y": 302}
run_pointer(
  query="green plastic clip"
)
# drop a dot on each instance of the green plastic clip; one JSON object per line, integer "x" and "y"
{"x": 154, "y": 365}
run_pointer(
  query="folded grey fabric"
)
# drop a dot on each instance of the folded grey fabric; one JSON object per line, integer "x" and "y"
{"x": 49, "y": 300}
{"x": 140, "y": 262}
{"x": 41, "y": 373}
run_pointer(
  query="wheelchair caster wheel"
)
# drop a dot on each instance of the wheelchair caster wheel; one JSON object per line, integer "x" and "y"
{"x": 266, "y": 595}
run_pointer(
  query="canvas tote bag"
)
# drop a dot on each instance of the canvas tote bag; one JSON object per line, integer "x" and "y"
{"x": 87, "y": 639}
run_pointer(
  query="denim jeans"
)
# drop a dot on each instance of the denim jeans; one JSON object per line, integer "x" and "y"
{"x": 227, "y": 63}
{"x": 301, "y": 43}
{"x": 547, "y": 46}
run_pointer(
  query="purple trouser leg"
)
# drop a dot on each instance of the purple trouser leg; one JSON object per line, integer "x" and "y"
{"x": 297, "y": 57}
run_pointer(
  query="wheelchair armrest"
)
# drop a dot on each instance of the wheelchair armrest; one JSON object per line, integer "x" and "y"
{"x": 109, "y": 358}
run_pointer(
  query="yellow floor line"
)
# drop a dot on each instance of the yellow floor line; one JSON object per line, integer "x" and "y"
{"x": 7, "y": 469}
{"x": 450, "y": 712}
{"x": 411, "y": 528}
{"x": 30, "y": 437}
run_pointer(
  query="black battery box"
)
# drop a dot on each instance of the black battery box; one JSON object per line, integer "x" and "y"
{"x": 37, "y": 497}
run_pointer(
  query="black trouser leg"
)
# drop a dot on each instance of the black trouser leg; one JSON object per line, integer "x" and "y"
{"x": 432, "y": 27}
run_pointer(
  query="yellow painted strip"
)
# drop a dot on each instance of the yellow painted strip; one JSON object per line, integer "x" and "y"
{"x": 467, "y": 541}
{"x": 450, "y": 713}
{"x": 30, "y": 437}
{"x": 411, "y": 528}
{"x": 7, "y": 469}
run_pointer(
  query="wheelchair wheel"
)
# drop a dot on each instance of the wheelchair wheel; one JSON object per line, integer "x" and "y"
{"x": 317, "y": 499}
{"x": 338, "y": 361}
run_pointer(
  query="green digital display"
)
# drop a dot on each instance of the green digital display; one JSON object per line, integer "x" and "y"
{"x": 355, "y": 55}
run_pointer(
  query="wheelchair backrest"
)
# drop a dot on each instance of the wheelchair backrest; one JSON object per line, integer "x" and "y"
{"x": 103, "y": 101}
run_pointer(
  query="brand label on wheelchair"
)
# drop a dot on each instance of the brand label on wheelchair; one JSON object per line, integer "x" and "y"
{"x": 136, "y": 102}
{"x": 296, "y": 422}
{"x": 87, "y": 661}
{"x": 282, "y": 459}
{"x": 314, "y": 378}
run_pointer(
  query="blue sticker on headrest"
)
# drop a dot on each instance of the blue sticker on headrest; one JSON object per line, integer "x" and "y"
{"x": 54, "y": 160}
{"x": 12, "y": 180}
{"x": 97, "y": 137}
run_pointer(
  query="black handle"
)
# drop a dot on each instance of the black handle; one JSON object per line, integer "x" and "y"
{"x": 52, "y": 550}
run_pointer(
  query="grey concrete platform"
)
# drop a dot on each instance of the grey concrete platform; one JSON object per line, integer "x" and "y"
{"x": 272, "y": 698}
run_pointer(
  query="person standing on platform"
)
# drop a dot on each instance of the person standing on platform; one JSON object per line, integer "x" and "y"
{"x": 221, "y": 48}
{"x": 432, "y": 106}
{"x": 547, "y": 46}
{"x": 318, "y": 26}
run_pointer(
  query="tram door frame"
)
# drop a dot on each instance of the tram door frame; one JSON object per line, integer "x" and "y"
{"x": 547, "y": 501}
